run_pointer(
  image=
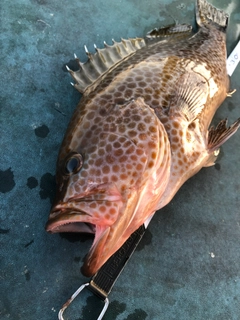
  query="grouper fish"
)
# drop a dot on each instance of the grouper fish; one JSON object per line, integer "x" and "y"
{"x": 140, "y": 130}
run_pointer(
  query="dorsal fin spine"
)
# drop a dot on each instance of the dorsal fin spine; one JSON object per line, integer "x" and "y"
{"x": 86, "y": 49}
{"x": 90, "y": 72}
{"x": 103, "y": 60}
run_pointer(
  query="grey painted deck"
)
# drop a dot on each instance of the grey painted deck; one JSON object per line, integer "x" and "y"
{"x": 188, "y": 264}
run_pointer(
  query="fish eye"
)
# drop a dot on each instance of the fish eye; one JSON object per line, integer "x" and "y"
{"x": 74, "y": 163}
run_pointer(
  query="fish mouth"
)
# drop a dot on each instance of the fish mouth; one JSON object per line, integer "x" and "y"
{"x": 69, "y": 222}
{"x": 72, "y": 220}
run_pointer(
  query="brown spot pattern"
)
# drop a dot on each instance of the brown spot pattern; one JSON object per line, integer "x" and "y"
{"x": 121, "y": 151}
{"x": 124, "y": 144}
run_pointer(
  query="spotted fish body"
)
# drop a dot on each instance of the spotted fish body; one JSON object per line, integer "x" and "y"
{"x": 140, "y": 130}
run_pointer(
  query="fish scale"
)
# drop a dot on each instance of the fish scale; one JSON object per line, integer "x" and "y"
{"x": 140, "y": 130}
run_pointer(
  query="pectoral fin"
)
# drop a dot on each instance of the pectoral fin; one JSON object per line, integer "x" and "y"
{"x": 212, "y": 158}
{"x": 189, "y": 96}
{"x": 217, "y": 136}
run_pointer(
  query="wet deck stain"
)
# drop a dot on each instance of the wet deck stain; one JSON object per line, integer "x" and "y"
{"x": 139, "y": 314}
{"x": 231, "y": 106}
{"x": 7, "y": 182}
{"x": 72, "y": 64}
{"x": 47, "y": 185}
{"x": 77, "y": 259}
{"x": 217, "y": 166}
{"x": 4, "y": 231}
{"x": 42, "y": 2}
{"x": 27, "y": 275}
{"x": 32, "y": 182}
{"x": 94, "y": 306}
{"x": 115, "y": 309}
{"x": 42, "y": 131}
{"x": 28, "y": 244}
{"x": 146, "y": 240}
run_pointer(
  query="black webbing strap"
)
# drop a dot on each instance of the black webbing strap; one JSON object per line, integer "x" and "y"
{"x": 102, "y": 282}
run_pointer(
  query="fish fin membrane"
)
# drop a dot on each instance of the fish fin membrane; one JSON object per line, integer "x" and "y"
{"x": 104, "y": 60}
{"x": 189, "y": 96}
{"x": 212, "y": 158}
{"x": 178, "y": 30}
{"x": 207, "y": 14}
{"x": 217, "y": 136}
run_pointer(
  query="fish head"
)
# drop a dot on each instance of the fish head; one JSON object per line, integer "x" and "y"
{"x": 107, "y": 175}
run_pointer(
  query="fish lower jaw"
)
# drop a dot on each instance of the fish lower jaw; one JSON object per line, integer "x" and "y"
{"x": 99, "y": 252}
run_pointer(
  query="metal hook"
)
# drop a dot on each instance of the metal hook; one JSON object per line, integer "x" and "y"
{"x": 76, "y": 293}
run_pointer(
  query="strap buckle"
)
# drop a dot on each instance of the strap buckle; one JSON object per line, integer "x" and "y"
{"x": 75, "y": 294}
{"x": 103, "y": 281}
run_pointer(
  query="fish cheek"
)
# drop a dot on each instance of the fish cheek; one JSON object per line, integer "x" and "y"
{"x": 121, "y": 164}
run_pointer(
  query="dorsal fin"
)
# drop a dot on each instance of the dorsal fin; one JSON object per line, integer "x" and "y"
{"x": 102, "y": 61}
{"x": 178, "y": 30}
